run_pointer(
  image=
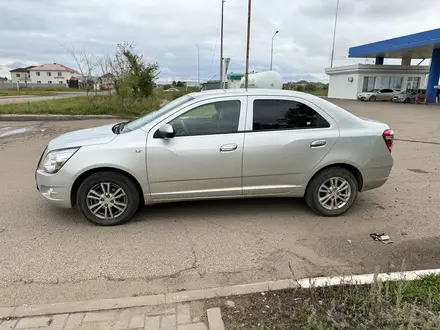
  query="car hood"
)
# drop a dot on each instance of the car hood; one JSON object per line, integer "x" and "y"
{"x": 83, "y": 137}
{"x": 366, "y": 94}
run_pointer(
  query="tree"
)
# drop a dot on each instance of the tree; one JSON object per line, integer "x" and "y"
{"x": 310, "y": 87}
{"x": 300, "y": 88}
{"x": 86, "y": 63}
{"x": 132, "y": 75}
{"x": 174, "y": 83}
{"x": 180, "y": 84}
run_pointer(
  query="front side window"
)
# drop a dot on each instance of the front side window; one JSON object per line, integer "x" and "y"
{"x": 214, "y": 118}
{"x": 285, "y": 115}
{"x": 148, "y": 118}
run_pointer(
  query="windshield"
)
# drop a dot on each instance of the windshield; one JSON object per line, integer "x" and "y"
{"x": 373, "y": 91}
{"x": 138, "y": 123}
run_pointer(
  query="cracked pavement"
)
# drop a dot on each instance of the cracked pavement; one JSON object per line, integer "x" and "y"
{"x": 50, "y": 255}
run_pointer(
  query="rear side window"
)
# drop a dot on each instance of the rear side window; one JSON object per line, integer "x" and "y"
{"x": 283, "y": 115}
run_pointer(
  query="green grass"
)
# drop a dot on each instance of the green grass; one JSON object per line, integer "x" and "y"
{"x": 43, "y": 91}
{"x": 320, "y": 92}
{"x": 86, "y": 105}
{"x": 23, "y": 92}
{"x": 381, "y": 305}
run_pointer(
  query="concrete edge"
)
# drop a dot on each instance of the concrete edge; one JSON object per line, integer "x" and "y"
{"x": 192, "y": 295}
{"x": 12, "y": 117}
{"x": 215, "y": 319}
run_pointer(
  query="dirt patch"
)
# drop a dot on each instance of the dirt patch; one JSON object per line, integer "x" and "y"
{"x": 390, "y": 305}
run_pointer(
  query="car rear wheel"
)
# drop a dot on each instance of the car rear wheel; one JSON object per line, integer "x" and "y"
{"x": 107, "y": 198}
{"x": 372, "y": 98}
{"x": 332, "y": 192}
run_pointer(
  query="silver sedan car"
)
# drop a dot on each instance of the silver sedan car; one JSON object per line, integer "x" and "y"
{"x": 219, "y": 144}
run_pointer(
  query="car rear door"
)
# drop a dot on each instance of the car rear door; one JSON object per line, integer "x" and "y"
{"x": 386, "y": 94}
{"x": 204, "y": 158}
{"x": 286, "y": 137}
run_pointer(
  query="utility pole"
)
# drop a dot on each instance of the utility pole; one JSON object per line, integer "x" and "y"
{"x": 221, "y": 46}
{"x": 246, "y": 75}
{"x": 334, "y": 33}
{"x": 198, "y": 65}
{"x": 271, "y": 51}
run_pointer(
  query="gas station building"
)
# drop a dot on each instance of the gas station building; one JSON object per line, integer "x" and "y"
{"x": 348, "y": 81}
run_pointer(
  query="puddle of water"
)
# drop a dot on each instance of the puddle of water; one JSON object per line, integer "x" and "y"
{"x": 13, "y": 132}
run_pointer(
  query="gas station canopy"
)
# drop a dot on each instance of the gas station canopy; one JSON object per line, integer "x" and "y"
{"x": 418, "y": 45}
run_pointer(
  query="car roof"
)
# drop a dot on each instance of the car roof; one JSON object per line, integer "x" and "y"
{"x": 251, "y": 92}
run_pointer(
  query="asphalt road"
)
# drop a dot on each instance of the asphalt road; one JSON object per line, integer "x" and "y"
{"x": 49, "y": 254}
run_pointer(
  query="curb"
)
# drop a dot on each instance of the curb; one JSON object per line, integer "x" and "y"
{"x": 186, "y": 296}
{"x": 12, "y": 117}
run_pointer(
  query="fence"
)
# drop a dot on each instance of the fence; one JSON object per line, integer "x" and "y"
{"x": 11, "y": 85}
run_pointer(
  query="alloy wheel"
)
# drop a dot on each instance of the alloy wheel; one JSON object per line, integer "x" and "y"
{"x": 106, "y": 200}
{"x": 334, "y": 193}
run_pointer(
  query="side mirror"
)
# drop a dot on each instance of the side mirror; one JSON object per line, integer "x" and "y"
{"x": 165, "y": 132}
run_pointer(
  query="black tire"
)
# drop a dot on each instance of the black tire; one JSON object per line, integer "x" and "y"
{"x": 312, "y": 192}
{"x": 372, "y": 98}
{"x": 131, "y": 197}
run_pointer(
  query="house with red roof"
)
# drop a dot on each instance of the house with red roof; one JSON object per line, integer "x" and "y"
{"x": 52, "y": 74}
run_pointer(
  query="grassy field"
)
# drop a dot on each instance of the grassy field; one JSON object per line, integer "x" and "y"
{"x": 321, "y": 92}
{"x": 43, "y": 91}
{"x": 94, "y": 105}
{"x": 85, "y": 105}
{"x": 390, "y": 305}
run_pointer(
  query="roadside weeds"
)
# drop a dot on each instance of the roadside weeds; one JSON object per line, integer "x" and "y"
{"x": 381, "y": 305}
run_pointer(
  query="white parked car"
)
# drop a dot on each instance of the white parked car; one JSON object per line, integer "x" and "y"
{"x": 384, "y": 94}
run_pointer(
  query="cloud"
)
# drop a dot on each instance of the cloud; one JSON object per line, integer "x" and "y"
{"x": 167, "y": 31}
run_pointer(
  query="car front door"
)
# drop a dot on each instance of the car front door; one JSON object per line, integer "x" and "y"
{"x": 204, "y": 158}
{"x": 286, "y": 138}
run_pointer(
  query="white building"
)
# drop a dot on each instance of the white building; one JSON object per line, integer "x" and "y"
{"x": 346, "y": 82}
{"x": 51, "y": 74}
{"x": 20, "y": 75}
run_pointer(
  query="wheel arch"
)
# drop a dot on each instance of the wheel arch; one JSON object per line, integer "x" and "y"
{"x": 349, "y": 167}
{"x": 80, "y": 179}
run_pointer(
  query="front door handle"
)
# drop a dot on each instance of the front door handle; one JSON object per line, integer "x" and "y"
{"x": 228, "y": 147}
{"x": 318, "y": 144}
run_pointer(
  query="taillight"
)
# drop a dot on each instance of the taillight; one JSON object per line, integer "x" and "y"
{"x": 388, "y": 137}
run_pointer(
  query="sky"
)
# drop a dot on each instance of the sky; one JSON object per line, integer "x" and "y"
{"x": 34, "y": 32}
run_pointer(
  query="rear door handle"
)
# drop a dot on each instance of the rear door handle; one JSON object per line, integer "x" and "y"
{"x": 228, "y": 147}
{"x": 318, "y": 144}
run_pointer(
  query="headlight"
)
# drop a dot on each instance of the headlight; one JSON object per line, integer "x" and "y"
{"x": 55, "y": 159}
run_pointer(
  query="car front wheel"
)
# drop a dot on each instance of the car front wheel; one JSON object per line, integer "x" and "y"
{"x": 332, "y": 192}
{"x": 372, "y": 98}
{"x": 107, "y": 198}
